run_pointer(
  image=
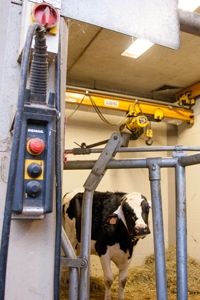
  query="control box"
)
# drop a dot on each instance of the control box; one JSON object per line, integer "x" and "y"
{"x": 33, "y": 191}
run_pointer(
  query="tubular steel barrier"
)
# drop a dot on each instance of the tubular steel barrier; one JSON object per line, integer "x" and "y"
{"x": 179, "y": 161}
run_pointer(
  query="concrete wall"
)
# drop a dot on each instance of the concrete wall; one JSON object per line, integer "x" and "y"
{"x": 31, "y": 250}
{"x": 191, "y": 137}
{"x": 86, "y": 126}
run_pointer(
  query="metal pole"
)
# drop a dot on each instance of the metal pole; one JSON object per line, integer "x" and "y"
{"x": 85, "y": 244}
{"x": 118, "y": 164}
{"x": 189, "y": 22}
{"x": 159, "y": 247}
{"x": 181, "y": 234}
{"x": 189, "y": 160}
{"x": 73, "y": 272}
{"x": 90, "y": 185}
{"x": 84, "y": 151}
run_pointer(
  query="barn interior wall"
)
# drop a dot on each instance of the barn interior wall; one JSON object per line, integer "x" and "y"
{"x": 191, "y": 137}
{"x": 85, "y": 126}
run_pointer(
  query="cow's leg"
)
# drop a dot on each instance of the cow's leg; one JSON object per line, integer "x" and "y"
{"x": 122, "y": 280}
{"x": 108, "y": 275}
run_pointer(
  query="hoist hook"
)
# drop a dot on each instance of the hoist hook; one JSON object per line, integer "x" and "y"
{"x": 149, "y": 142}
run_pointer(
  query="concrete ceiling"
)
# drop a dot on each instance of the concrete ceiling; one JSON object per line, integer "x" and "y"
{"x": 95, "y": 62}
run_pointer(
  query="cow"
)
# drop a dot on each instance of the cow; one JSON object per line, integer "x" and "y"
{"x": 119, "y": 220}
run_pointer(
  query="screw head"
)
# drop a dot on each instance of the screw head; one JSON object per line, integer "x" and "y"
{"x": 153, "y": 167}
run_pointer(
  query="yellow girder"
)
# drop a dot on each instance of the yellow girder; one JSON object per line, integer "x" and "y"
{"x": 187, "y": 95}
{"x": 125, "y": 105}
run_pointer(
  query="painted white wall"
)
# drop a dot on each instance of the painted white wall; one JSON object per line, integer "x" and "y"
{"x": 86, "y": 126}
{"x": 191, "y": 137}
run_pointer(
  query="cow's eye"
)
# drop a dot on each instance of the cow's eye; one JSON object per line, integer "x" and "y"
{"x": 147, "y": 209}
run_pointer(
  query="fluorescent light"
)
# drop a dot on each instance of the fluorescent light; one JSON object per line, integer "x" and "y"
{"x": 137, "y": 48}
{"x": 189, "y": 5}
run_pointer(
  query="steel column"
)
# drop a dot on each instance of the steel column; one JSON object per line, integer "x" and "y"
{"x": 73, "y": 272}
{"x": 90, "y": 185}
{"x": 159, "y": 247}
{"x": 85, "y": 243}
{"x": 181, "y": 234}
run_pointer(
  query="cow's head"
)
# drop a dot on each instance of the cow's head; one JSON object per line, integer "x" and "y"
{"x": 134, "y": 212}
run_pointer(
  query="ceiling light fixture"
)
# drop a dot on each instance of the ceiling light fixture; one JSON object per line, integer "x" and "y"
{"x": 139, "y": 46}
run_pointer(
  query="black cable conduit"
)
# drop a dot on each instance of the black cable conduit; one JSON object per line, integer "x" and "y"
{"x": 58, "y": 184}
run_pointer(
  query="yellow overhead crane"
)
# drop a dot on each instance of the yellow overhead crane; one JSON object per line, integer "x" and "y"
{"x": 138, "y": 114}
{"x": 187, "y": 95}
{"x": 156, "y": 111}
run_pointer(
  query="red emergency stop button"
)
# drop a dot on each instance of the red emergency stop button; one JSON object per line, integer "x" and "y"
{"x": 46, "y": 15}
{"x": 35, "y": 146}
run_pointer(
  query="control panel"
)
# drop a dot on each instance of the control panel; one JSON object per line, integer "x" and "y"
{"x": 33, "y": 192}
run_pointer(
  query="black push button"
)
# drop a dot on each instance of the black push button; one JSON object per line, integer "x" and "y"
{"x": 34, "y": 170}
{"x": 33, "y": 189}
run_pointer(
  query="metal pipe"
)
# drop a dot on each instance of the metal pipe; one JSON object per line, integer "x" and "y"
{"x": 73, "y": 272}
{"x": 66, "y": 245}
{"x": 79, "y": 151}
{"x": 86, "y": 223}
{"x": 181, "y": 234}
{"x": 159, "y": 247}
{"x": 189, "y": 160}
{"x": 189, "y": 22}
{"x": 118, "y": 164}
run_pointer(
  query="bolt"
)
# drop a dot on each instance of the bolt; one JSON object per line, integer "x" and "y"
{"x": 83, "y": 263}
{"x": 115, "y": 137}
{"x": 153, "y": 167}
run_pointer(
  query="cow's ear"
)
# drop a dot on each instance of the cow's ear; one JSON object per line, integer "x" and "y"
{"x": 110, "y": 224}
{"x": 112, "y": 219}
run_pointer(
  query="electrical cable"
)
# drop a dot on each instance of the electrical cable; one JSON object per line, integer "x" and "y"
{"x": 101, "y": 116}
{"x": 58, "y": 185}
{"x": 14, "y": 158}
{"x": 76, "y": 108}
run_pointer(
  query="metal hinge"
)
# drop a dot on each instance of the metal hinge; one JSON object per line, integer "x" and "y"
{"x": 73, "y": 262}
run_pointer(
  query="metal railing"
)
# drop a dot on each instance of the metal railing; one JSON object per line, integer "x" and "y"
{"x": 179, "y": 161}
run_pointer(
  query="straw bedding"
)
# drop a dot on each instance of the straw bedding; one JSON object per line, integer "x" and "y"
{"x": 141, "y": 283}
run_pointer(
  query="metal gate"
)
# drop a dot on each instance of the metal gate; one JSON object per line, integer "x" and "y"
{"x": 179, "y": 161}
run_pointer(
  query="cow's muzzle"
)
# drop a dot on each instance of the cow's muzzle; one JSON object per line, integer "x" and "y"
{"x": 141, "y": 231}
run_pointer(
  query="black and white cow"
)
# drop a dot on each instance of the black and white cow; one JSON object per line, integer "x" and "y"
{"x": 119, "y": 220}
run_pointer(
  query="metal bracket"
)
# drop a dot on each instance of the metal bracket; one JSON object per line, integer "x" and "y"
{"x": 154, "y": 168}
{"x": 32, "y": 213}
{"x": 73, "y": 262}
{"x": 179, "y": 151}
